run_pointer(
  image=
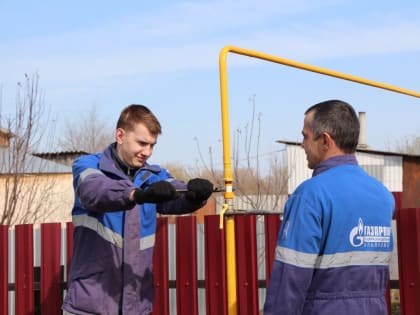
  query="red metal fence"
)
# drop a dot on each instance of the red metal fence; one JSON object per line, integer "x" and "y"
{"x": 51, "y": 284}
{"x": 408, "y": 239}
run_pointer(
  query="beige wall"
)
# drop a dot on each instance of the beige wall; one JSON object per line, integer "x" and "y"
{"x": 43, "y": 198}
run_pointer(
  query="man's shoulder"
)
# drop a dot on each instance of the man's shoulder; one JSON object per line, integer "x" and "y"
{"x": 87, "y": 159}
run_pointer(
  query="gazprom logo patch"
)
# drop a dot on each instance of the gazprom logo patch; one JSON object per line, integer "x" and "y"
{"x": 370, "y": 235}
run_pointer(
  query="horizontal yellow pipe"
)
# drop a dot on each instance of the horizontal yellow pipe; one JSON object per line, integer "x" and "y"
{"x": 299, "y": 65}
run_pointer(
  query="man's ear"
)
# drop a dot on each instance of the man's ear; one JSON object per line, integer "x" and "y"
{"x": 119, "y": 133}
{"x": 327, "y": 140}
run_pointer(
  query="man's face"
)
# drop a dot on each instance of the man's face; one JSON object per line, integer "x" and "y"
{"x": 312, "y": 146}
{"x": 135, "y": 146}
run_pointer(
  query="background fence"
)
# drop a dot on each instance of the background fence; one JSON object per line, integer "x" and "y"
{"x": 189, "y": 265}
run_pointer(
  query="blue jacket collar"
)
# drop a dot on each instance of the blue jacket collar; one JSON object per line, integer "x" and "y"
{"x": 109, "y": 163}
{"x": 349, "y": 159}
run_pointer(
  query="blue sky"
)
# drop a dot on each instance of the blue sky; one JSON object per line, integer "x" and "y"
{"x": 164, "y": 54}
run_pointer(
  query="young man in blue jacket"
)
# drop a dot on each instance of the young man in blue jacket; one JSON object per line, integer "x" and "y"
{"x": 117, "y": 197}
{"x": 335, "y": 242}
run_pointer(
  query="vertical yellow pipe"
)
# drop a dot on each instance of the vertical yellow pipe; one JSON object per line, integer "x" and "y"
{"x": 227, "y": 169}
{"x": 230, "y": 223}
{"x": 231, "y": 265}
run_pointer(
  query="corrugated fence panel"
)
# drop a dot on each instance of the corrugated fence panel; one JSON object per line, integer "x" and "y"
{"x": 246, "y": 264}
{"x": 50, "y": 268}
{"x": 215, "y": 246}
{"x": 408, "y": 227}
{"x": 24, "y": 270}
{"x": 4, "y": 268}
{"x": 160, "y": 268}
{"x": 186, "y": 265}
{"x": 271, "y": 227}
{"x": 184, "y": 243}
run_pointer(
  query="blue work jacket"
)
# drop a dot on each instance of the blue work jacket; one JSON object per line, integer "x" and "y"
{"x": 111, "y": 268}
{"x": 334, "y": 245}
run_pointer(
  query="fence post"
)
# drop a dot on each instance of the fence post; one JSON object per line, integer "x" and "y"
{"x": 50, "y": 268}
{"x": 271, "y": 230}
{"x": 215, "y": 264}
{"x": 24, "y": 269}
{"x": 186, "y": 265}
{"x": 4, "y": 269}
{"x": 246, "y": 258}
{"x": 160, "y": 268}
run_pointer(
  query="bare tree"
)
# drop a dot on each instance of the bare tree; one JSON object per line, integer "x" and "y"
{"x": 254, "y": 187}
{"x": 88, "y": 133}
{"x": 177, "y": 170}
{"x": 26, "y": 195}
{"x": 408, "y": 145}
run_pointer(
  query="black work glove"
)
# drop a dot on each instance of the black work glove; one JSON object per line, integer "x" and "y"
{"x": 199, "y": 190}
{"x": 156, "y": 193}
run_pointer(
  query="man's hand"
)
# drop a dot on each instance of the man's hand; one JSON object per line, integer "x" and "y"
{"x": 199, "y": 190}
{"x": 156, "y": 193}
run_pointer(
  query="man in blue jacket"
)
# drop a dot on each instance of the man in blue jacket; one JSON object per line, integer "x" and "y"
{"x": 335, "y": 242}
{"x": 117, "y": 197}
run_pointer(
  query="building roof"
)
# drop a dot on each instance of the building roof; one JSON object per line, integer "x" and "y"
{"x": 63, "y": 157}
{"x": 359, "y": 150}
{"x": 59, "y": 154}
{"x": 35, "y": 163}
{"x": 32, "y": 165}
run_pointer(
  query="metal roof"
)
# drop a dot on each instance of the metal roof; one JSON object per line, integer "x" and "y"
{"x": 32, "y": 165}
{"x": 359, "y": 150}
{"x": 60, "y": 153}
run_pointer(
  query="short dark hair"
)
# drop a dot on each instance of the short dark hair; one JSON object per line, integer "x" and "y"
{"x": 139, "y": 114}
{"x": 339, "y": 120}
